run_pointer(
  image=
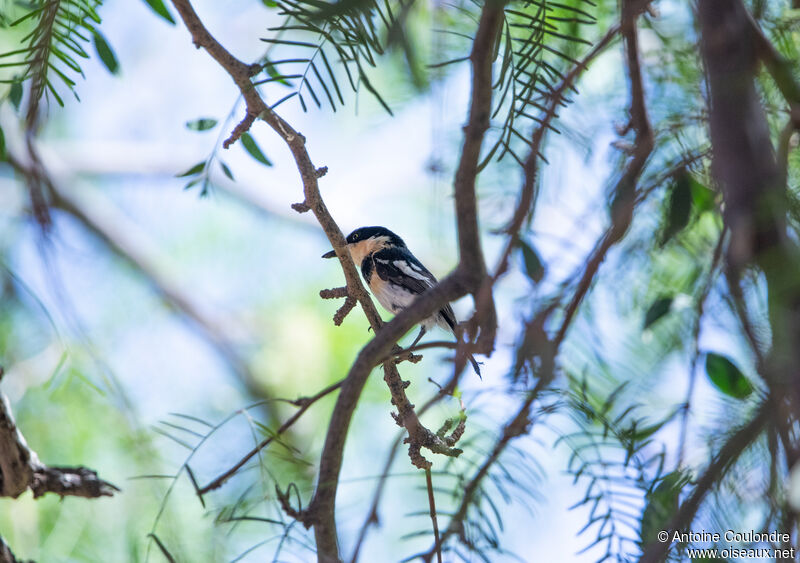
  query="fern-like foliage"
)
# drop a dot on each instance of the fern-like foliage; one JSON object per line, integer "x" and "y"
{"x": 535, "y": 45}
{"x": 349, "y": 35}
{"x": 628, "y": 495}
{"x": 530, "y": 68}
{"x": 61, "y": 30}
{"x": 513, "y": 478}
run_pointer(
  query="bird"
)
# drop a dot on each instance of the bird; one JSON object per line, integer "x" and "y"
{"x": 396, "y": 277}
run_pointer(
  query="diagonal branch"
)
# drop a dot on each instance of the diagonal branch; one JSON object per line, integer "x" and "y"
{"x": 303, "y": 403}
{"x": 20, "y": 468}
{"x": 520, "y": 422}
{"x": 625, "y": 189}
{"x": 321, "y": 512}
{"x": 747, "y": 170}
{"x": 531, "y": 166}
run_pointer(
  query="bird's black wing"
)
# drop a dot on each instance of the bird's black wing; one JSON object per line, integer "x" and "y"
{"x": 398, "y": 266}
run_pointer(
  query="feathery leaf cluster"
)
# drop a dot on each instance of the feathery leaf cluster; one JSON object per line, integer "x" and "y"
{"x": 54, "y": 47}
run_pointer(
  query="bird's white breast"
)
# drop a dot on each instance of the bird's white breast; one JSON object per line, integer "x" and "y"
{"x": 394, "y": 299}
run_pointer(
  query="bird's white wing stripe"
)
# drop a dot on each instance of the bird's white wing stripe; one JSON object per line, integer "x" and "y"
{"x": 411, "y": 272}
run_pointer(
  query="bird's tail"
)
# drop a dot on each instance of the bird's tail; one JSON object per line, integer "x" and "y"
{"x": 446, "y": 320}
{"x": 475, "y": 366}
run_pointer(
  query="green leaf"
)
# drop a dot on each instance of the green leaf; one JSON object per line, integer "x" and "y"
{"x": 637, "y": 434}
{"x": 661, "y": 505}
{"x": 196, "y": 169}
{"x": 679, "y": 207}
{"x": 15, "y": 94}
{"x": 658, "y": 309}
{"x": 201, "y": 124}
{"x": 726, "y": 377}
{"x": 226, "y": 170}
{"x": 703, "y": 197}
{"x": 2, "y": 146}
{"x": 252, "y": 148}
{"x": 105, "y": 52}
{"x": 159, "y": 8}
{"x": 274, "y": 74}
{"x": 533, "y": 263}
{"x": 270, "y": 3}
{"x": 192, "y": 183}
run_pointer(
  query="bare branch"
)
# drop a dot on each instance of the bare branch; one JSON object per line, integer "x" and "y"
{"x": 70, "y": 481}
{"x": 531, "y": 166}
{"x": 241, "y": 128}
{"x": 434, "y": 521}
{"x": 372, "y": 516}
{"x": 472, "y": 266}
{"x": 20, "y": 468}
{"x": 472, "y": 262}
{"x": 342, "y": 312}
{"x": 625, "y": 189}
{"x": 518, "y": 425}
{"x": 746, "y": 168}
{"x": 304, "y": 403}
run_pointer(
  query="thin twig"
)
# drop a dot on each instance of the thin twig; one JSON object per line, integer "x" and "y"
{"x": 518, "y": 425}
{"x": 372, "y": 516}
{"x": 625, "y": 189}
{"x": 304, "y": 403}
{"x": 241, "y": 128}
{"x": 432, "y": 505}
{"x": 699, "y": 310}
{"x": 531, "y": 166}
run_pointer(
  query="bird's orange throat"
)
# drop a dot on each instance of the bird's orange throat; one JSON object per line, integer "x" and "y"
{"x": 361, "y": 249}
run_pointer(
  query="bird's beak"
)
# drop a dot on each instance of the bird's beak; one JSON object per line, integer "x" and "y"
{"x": 331, "y": 254}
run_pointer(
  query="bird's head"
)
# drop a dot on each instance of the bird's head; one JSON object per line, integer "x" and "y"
{"x": 364, "y": 241}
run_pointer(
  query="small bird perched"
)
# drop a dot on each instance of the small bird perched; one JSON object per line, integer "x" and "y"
{"x": 395, "y": 276}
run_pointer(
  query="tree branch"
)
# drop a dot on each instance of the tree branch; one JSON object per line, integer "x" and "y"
{"x": 745, "y": 166}
{"x": 321, "y": 511}
{"x": 530, "y": 168}
{"x": 472, "y": 266}
{"x": 372, "y": 516}
{"x": 304, "y": 403}
{"x": 519, "y": 423}
{"x": 20, "y": 468}
{"x": 625, "y": 190}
